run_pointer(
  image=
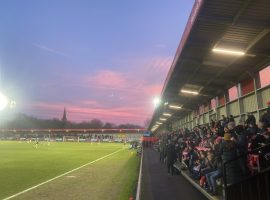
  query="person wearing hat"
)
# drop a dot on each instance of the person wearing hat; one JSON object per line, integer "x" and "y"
{"x": 228, "y": 152}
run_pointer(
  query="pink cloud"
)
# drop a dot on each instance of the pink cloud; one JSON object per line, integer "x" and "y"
{"x": 159, "y": 64}
{"x": 90, "y": 103}
{"x": 106, "y": 78}
{"x": 110, "y": 95}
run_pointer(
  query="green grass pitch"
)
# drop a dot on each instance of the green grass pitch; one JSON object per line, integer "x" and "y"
{"x": 23, "y": 166}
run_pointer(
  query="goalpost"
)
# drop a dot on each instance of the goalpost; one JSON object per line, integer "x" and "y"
{"x": 71, "y": 139}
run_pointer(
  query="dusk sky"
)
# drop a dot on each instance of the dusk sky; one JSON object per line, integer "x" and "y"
{"x": 99, "y": 59}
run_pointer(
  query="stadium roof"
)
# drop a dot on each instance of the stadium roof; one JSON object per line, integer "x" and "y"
{"x": 224, "y": 42}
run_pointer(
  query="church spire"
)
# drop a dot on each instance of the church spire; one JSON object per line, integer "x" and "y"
{"x": 64, "y": 118}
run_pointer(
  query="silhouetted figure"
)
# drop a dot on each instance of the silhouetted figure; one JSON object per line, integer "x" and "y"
{"x": 170, "y": 153}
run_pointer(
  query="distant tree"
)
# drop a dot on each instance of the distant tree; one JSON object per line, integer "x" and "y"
{"x": 22, "y": 121}
{"x": 109, "y": 125}
{"x": 96, "y": 123}
{"x": 128, "y": 126}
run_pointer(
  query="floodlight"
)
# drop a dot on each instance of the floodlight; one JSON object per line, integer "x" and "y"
{"x": 162, "y": 119}
{"x": 3, "y": 102}
{"x": 167, "y": 114}
{"x": 229, "y": 51}
{"x": 175, "y": 107}
{"x": 158, "y": 123}
{"x": 156, "y": 101}
{"x": 190, "y": 92}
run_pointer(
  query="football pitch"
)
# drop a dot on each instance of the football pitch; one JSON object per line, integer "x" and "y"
{"x": 59, "y": 170}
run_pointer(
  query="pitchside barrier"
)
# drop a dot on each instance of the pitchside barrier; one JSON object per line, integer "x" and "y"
{"x": 149, "y": 141}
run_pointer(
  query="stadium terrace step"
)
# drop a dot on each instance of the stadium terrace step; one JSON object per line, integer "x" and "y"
{"x": 197, "y": 186}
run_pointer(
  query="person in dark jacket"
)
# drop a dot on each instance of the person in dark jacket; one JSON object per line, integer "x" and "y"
{"x": 241, "y": 139}
{"x": 171, "y": 156}
{"x": 242, "y": 146}
{"x": 192, "y": 155}
{"x": 256, "y": 141}
{"x": 265, "y": 119}
{"x": 250, "y": 120}
{"x": 223, "y": 121}
{"x": 228, "y": 152}
{"x": 212, "y": 123}
{"x": 162, "y": 150}
{"x": 231, "y": 119}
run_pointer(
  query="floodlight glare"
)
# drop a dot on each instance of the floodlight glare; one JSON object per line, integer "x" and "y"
{"x": 228, "y": 51}
{"x": 175, "y": 107}
{"x": 158, "y": 123}
{"x": 12, "y": 104}
{"x": 3, "y": 102}
{"x": 167, "y": 114}
{"x": 162, "y": 119}
{"x": 156, "y": 101}
{"x": 190, "y": 92}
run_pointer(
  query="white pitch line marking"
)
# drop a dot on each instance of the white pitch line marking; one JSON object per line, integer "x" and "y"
{"x": 71, "y": 176}
{"x": 64, "y": 174}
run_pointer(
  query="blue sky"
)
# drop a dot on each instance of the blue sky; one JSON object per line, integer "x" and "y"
{"x": 99, "y": 59}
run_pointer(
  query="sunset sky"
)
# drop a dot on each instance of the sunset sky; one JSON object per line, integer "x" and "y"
{"x": 99, "y": 59}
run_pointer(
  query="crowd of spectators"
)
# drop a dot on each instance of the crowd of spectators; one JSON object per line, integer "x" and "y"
{"x": 204, "y": 150}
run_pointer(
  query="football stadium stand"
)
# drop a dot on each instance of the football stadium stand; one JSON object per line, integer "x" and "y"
{"x": 213, "y": 122}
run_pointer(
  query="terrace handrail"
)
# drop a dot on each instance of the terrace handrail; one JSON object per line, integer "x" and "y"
{"x": 255, "y": 151}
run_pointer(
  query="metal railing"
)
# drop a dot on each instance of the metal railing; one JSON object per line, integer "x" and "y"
{"x": 250, "y": 187}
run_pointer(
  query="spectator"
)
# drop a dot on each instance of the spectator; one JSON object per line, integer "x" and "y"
{"x": 212, "y": 123}
{"x": 209, "y": 167}
{"x": 190, "y": 146}
{"x": 228, "y": 152}
{"x": 256, "y": 141}
{"x": 170, "y": 153}
{"x": 212, "y": 177}
{"x": 192, "y": 156}
{"x": 242, "y": 143}
{"x": 231, "y": 119}
{"x": 250, "y": 120}
{"x": 162, "y": 149}
{"x": 265, "y": 119}
{"x": 224, "y": 121}
{"x": 267, "y": 137}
